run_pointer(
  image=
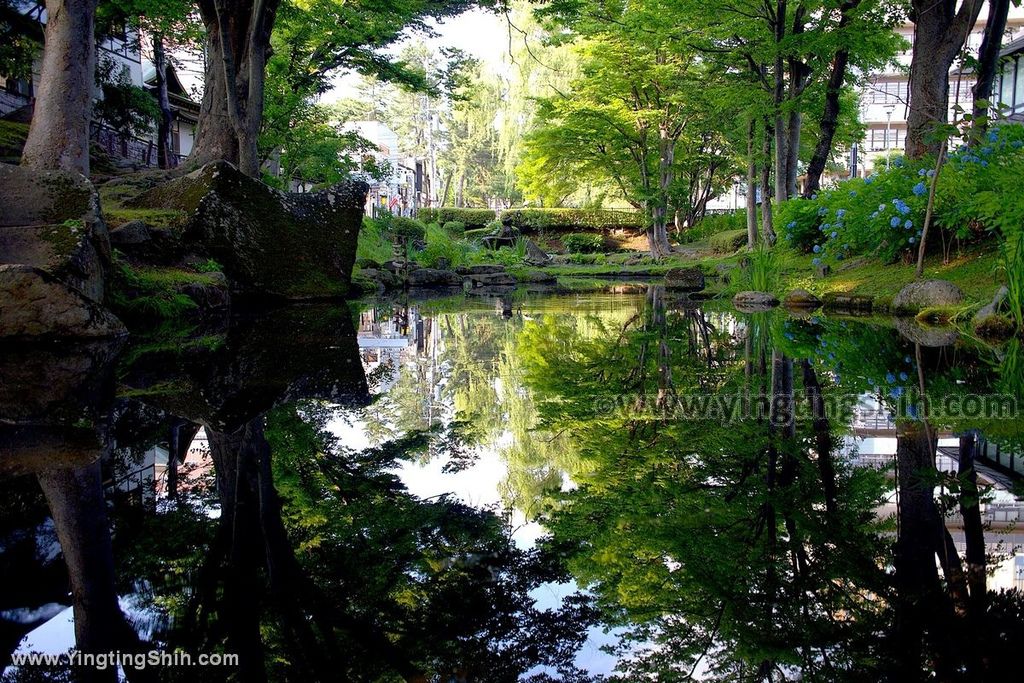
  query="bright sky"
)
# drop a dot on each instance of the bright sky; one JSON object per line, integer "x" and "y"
{"x": 480, "y": 34}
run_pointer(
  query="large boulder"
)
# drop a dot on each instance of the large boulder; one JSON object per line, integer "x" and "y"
{"x": 434, "y": 277}
{"x": 927, "y": 294}
{"x": 285, "y": 245}
{"x": 685, "y": 279}
{"x": 51, "y": 220}
{"x": 34, "y": 303}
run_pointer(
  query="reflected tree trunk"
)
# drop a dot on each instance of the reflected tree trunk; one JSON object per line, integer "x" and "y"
{"x": 75, "y": 499}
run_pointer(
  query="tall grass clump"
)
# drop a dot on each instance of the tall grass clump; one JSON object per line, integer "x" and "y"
{"x": 763, "y": 274}
{"x": 441, "y": 244}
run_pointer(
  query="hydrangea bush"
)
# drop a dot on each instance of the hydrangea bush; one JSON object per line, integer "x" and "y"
{"x": 882, "y": 215}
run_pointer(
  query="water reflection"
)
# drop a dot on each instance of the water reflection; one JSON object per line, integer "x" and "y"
{"x": 461, "y": 490}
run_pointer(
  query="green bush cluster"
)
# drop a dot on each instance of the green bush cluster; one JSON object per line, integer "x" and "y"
{"x": 441, "y": 244}
{"x": 555, "y": 220}
{"x": 583, "y": 243}
{"x": 714, "y": 223}
{"x": 471, "y": 219}
{"x": 728, "y": 241}
{"x": 455, "y": 228}
{"x": 403, "y": 227}
{"x": 883, "y": 214}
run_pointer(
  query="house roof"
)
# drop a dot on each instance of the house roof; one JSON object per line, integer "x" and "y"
{"x": 1012, "y": 47}
{"x": 176, "y": 92}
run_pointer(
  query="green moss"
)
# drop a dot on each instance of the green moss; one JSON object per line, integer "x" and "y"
{"x": 154, "y": 218}
{"x": 64, "y": 238}
{"x": 153, "y": 293}
{"x": 12, "y": 137}
{"x": 169, "y": 387}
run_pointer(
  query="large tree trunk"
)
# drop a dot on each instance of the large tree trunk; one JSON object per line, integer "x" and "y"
{"x": 939, "y": 33}
{"x": 828, "y": 123}
{"x": 751, "y": 187}
{"x": 988, "y": 61}
{"x": 767, "y": 228}
{"x": 75, "y": 499}
{"x": 163, "y": 130}
{"x": 238, "y": 46}
{"x": 59, "y": 135}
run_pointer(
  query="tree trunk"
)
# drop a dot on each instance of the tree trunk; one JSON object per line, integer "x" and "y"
{"x": 828, "y": 123}
{"x": 767, "y": 229}
{"x": 793, "y": 127}
{"x": 988, "y": 61}
{"x": 238, "y": 46}
{"x": 974, "y": 531}
{"x": 939, "y": 34}
{"x": 163, "y": 131}
{"x": 59, "y": 135}
{"x": 75, "y": 499}
{"x": 751, "y": 187}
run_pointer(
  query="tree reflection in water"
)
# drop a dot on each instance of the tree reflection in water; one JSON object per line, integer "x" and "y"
{"x": 719, "y": 548}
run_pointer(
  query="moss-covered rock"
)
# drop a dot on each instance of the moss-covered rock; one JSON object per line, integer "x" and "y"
{"x": 51, "y": 220}
{"x": 285, "y": 245}
{"x": 33, "y": 303}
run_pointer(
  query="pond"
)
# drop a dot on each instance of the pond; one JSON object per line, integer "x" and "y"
{"x": 622, "y": 484}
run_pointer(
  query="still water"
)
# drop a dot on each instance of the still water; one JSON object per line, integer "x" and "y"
{"x": 618, "y": 485}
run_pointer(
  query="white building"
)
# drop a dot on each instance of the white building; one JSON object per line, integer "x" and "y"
{"x": 409, "y": 187}
{"x": 885, "y": 100}
{"x": 120, "y": 53}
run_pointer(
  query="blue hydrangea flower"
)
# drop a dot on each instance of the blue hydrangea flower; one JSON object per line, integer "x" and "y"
{"x": 791, "y": 224}
{"x": 911, "y": 239}
{"x": 993, "y": 136}
{"x": 912, "y": 411}
{"x": 1017, "y": 144}
{"x": 919, "y": 189}
{"x": 853, "y": 193}
{"x": 890, "y": 378}
{"x": 931, "y": 173}
{"x": 881, "y": 207}
{"x": 921, "y": 172}
{"x": 906, "y": 359}
{"x": 817, "y": 249}
{"x": 908, "y": 224}
{"x": 895, "y": 222}
{"x": 903, "y": 376}
{"x": 896, "y": 392}
{"x": 898, "y": 162}
{"x": 840, "y": 213}
{"x": 984, "y": 163}
{"x": 822, "y": 211}
{"x": 834, "y": 234}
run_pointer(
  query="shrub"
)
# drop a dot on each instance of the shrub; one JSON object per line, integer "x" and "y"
{"x": 455, "y": 228}
{"x": 558, "y": 220}
{"x": 714, "y": 223}
{"x": 729, "y": 241}
{"x": 583, "y": 243}
{"x": 883, "y": 214}
{"x": 405, "y": 228}
{"x": 587, "y": 259}
{"x": 471, "y": 219}
{"x": 440, "y": 244}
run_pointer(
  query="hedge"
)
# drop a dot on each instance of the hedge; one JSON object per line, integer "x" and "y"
{"x": 472, "y": 219}
{"x": 555, "y": 220}
{"x": 728, "y": 241}
{"x": 583, "y": 243}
